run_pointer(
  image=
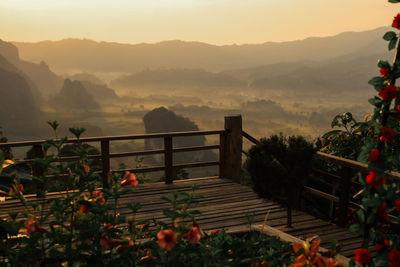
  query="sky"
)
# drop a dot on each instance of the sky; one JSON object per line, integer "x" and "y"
{"x": 212, "y": 21}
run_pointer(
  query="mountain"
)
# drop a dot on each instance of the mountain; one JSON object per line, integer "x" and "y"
{"x": 100, "y": 92}
{"x": 87, "y": 55}
{"x": 181, "y": 78}
{"x": 39, "y": 74}
{"x": 329, "y": 76}
{"x": 17, "y": 102}
{"x": 73, "y": 96}
{"x": 162, "y": 120}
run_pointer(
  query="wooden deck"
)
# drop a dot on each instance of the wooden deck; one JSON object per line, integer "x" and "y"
{"x": 225, "y": 205}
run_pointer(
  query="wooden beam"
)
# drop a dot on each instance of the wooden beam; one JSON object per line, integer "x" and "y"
{"x": 105, "y": 160}
{"x": 168, "y": 160}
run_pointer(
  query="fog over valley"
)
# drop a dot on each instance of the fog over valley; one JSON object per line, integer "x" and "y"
{"x": 109, "y": 88}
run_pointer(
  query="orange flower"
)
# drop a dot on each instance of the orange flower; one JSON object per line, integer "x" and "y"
{"x": 126, "y": 245}
{"x": 215, "y": 231}
{"x": 167, "y": 239}
{"x": 83, "y": 208}
{"x": 129, "y": 179}
{"x": 16, "y": 189}
{"x": 321, "y": 261}
{"x": 33, "y": 227}
{"x": 98, "y": 196}
{"x": 86, "y": 168}
{"x": 363, "y": 256}
{"x": 193, "y": 236}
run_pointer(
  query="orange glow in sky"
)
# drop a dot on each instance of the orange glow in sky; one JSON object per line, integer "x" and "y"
{"x": 211, "y": 21}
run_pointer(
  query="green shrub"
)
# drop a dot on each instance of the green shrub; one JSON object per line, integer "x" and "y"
{"x": 279, "y": 167}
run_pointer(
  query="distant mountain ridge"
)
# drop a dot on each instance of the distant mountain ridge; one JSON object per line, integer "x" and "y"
{"x": 45, "y": 81}
{"x": 92, "y": 56}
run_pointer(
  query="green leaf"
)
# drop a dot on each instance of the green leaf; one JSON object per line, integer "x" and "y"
{"x": 383, "y": 64}
{"x": 360, "y": 216}
{"x": 389, "y": 35}
{"x": 392, "y": 43}
{"x": 371, "y": 218}
{"x": 394, "y": 1}
{"x": 355, "y": 228}
{"x": 377, "y": 82}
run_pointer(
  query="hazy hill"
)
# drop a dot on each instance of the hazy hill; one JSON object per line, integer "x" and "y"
{"x": 73, "y": 96}
{"x": 84, "y": 76}
{"x": 162, "y": 120}
{"x": 44, "y": 79}
{"x": 100, "y": 92}
{"x": 177, "y": 78}
{"x": 342, "y": 74}
{"x": 88, "y": 55}
{"x": 17, "y": 102}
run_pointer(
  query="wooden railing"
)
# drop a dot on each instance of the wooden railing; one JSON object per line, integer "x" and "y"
{"x": 229, "y": 163}
{"x": 230, "y": 148}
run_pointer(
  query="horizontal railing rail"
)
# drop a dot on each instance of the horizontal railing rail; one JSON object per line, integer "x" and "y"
{"x": 105, "y": 154}
{"x": 229, "y": 142}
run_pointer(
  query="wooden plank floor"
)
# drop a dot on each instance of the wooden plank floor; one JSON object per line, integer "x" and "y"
{"x": 224, "y": 205}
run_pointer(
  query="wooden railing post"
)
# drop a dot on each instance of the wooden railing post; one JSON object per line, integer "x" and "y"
{"x": 105, "y": 160}
{"x": 344, "y": 198}
{"x": 168, "y": 160}
{"x": 222, "y": 144}
{"x": 231, "y": 147}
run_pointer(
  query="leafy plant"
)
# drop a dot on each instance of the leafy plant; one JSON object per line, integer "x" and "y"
{"x": 348, "y": 142}
{"x": 279, "y": 167}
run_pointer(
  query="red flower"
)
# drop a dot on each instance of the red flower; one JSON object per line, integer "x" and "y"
{"x": 380, "y": 246}
{"x": 83, "y": 208}
{"x": 394, "y": 258}
{"x": 384, "y": 72}
{"x": 363, "y": 256}
{"x": 129, "y": 179}
{"x": 397, "y": 204}
{"x": 167, "y": 239}
{"x": 387, "y": 135}
{"x": 193, "y": 236}
{"x": 371, "y": 180}
{"x": 382, "y": 212}
{"x": 18, "y": 189}
{"x": 33, "y": 227}
{"x": 374, "y": 155}
{"x": 389, "y": 92}
{"x": 396, "y": 22}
